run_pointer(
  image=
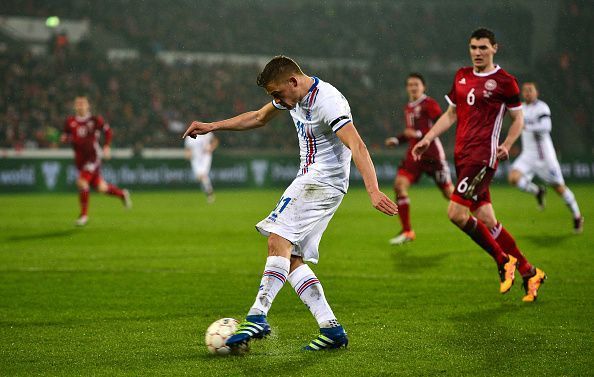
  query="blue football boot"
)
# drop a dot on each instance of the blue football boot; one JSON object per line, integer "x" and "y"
{"x": 329, "y": 338}
{"x": 254, "y": 327}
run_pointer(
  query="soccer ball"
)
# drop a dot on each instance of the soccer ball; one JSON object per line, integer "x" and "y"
{"x": 217, "y": 334}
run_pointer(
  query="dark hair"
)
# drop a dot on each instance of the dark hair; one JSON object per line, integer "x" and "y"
{"x": 279, "y": 65}
{"x": 531, "y": 83}
{"x": 484, "y": 33}
{"x": 415, "y": 75}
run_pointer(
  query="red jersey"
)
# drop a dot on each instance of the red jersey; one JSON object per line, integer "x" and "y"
{"x": 84, "y": 133}
{"x": 481, "y": 100}
{"x": 420, "y": 116}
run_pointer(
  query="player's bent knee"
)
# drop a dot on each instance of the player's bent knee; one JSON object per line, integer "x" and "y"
{"x": 279, "y": 246}
{"x": 82, "y": 184}
{"x": 559, "y": 189}
{"x": 102, "y": 187}
{"x": 458, "y": 216}
{"x": 513, "y": 177}
{"x": 401, "y": 186}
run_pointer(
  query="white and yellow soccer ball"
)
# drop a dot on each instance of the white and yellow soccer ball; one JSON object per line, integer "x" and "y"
{"x": 217, "y": 334}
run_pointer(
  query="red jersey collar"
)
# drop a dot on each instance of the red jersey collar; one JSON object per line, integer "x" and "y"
{"x": 82, "y": 119}
{"x": 417, "y": 101}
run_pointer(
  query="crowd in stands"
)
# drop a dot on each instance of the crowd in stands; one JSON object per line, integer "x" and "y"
{"x": 334, "y": 28}
{"x": 148, "y": 102}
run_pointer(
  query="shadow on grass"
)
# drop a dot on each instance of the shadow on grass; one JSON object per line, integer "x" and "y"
{"x": 486, "y": 340}
{"x": 546, "y": 240}
{"x": 407, "y": 261}
{"x": 42, "y": 236}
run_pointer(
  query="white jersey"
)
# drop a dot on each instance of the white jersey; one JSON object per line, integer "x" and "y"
{"x": 199, "y": 146}
{"x": 317, "y": 117}
{"x": 538, "y": 155}
{"x": 536, "y": 138}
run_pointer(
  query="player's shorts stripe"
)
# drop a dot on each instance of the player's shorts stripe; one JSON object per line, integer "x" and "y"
{"x": 495, "y": 136}
{"x": 275, "y": 274}
{"x": 308, "y": 283}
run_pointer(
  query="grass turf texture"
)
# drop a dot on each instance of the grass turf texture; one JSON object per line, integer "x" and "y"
{"x": 133, "y": 292}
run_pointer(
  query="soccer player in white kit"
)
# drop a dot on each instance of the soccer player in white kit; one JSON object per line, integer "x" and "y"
{"x": 199, "y": 151}
{"x": 538, "y": 156}
{"x": 327, "y": 141}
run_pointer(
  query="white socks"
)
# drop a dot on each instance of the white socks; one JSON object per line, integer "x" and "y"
{"x": 206, "y": 185}
{"x": 308, "y": 288}
{"x": 569, "y": 199}
{"x": 527, "y": 185}
{"x": 273, "y": 279}
{"x": 305, "y": 283}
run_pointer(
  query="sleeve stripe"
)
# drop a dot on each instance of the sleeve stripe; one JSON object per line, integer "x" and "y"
{"x": 338, "y": 120}
{"x": 541, "y": 116}
{"x": 515, "y": 108}
{"x": 449, "y": 101}
{"x": 347, "y": 121}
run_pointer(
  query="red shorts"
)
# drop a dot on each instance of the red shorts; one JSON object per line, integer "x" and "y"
{"x": 93, "y": 177}
{"x": 436, "y": 169}
{"x": 472, "y": 187}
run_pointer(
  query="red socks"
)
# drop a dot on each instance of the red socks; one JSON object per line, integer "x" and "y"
{"x": 114, "y": 190}
{"x": 83, "y": 197}
{"x": 403, "y": 212}
{"x": 481, "y": 235}
{"x": 508, "y": 244}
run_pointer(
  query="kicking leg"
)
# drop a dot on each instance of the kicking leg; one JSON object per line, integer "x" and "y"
{"x": 275, "y": 274}
{"x": 310, "y": 291}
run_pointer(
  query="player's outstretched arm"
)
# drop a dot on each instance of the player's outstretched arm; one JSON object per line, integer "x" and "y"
{"x": 241, "y": 122}
{"x": 350, "y": 137}
{"x": 444, "y": 122}
{"x": 515, "y": 130}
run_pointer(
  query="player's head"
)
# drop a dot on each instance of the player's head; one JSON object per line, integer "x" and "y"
{"x": 81, "y": 105}
{"x": 530, "y": 91}
{"x": 282, "y": 78}
{"x": 415, "y": 85}
{"x": 483, "y": 47}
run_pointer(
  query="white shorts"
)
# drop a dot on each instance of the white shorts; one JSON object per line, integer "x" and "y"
{"x": 547, "y": 169}
{"x": 201, "y": 166}
{"x": 302, "y": 215}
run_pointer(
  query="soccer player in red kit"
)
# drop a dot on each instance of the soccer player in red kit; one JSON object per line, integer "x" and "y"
{"x": 478, "y": 100}
{"x": 419, "y": 113}
{"x": 83, "y": 130}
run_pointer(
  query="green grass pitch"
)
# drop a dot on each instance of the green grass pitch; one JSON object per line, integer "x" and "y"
{"x": 134, "y": 291}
